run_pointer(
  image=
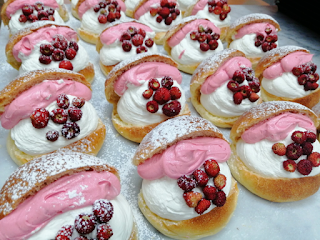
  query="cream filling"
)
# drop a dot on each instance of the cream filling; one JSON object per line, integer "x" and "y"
{"x": 204, "y": 13}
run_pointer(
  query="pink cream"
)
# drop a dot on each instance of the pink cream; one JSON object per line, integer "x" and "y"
{"x": 16, "y": 5}
{"x": 110, "y": 35}
{"x": 67, "y": 193}
{"x": 200, "y": 5}
{"x": 177, "y": 37}
{"x": 277, "y": 128}
{"x": 146, "y": 7}
{"x": 184, "y": 157}
{"x": 145, "y": 71}
{"x": 255, "y": 28}
{"x": 87, "y": 4}
{"x": 40, "y": 96}
{"x": 286, "y": 64}
{"x": 27, "y": 43}
{"x": 224, "y": 74}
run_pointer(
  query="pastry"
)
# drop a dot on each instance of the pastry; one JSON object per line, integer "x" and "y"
{"x": 145, "y": 91}
{"x": 73, "y": 9}
{"x": 191, "y": 41}
{"x": 96, "y": 15}
{"x": 48, "y": 45}
{"x": 288, "y": 74}
{"x": 275, "y": 151}
{"x": 46, "y": 110}
{"x": 184, "y": 4}
{"x": 187, "y": 189}
{"x": 65, "y": 195}
{"x": 223, "y": 87}
{"x": 121, "y": 40}
{"x": 18, "y": 14}
{"x": 159, "y": 15}
{"x": 130, "y": 6}
{"x": 217, "y": 11}
{"x": 254, "y": 34}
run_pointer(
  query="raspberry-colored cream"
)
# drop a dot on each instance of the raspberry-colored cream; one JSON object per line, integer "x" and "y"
{"x": 67, "y": 193}
{"x": 286, "y": 64}
{"x": 146, "y": 7}
{"x": 199, "y": 6}
{"x": 14, "y": 6}
{"x": 145, "y": 71}
{"x": 87, "y": 4}
{"x": 110, "y": 35}
{"x": 184, "y": 157}
{"x": 255, "y": 28}
{"x": 40, "y": 96}
{"x": 277, "y": 128}
{"x": 27, "y": 43}
{"x": 178, "y": 36}
{"x": 224, "y": 74}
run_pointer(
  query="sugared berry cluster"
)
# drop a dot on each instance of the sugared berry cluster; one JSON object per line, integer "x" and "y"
{"x": 167, "y": 11}
{"x": 136, "y": 37}
{"x": 109, "y": 11}
{"x": 307, "y": 75}
{"x": 86, "y": 223}
{"x": 200, "y": 178}
{"x": 219, "y": 7}
{"x": 267, "y": 43}
{"x": 166, "y": 95}
{"x": 70, "y": 129}
{"x": 302, "y": 145}
{"x": 245, "y": 91}
{"x": 36, "y": 12}
{"x": 206, "y": 37}
{"x": 58, "y": 50}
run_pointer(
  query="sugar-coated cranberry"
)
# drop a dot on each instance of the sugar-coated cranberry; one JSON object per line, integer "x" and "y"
{"x": 65, "y": 64}
{"x": 44, "y": 59}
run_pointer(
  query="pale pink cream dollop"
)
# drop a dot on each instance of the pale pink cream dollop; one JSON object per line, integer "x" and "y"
{"x": 199, "y": 6}
{"x": 184, "y": 157}
{"x": 16, "y": 5}
{"x": 146, "y": 7}
{"x": 277, "y": 128}
{"x": 145, "y": 71}
{"x": 67, "y": 193}
{"x": 110, "y": 35}
{"x": 27, "y": 43}
{"x": 255, "y": 28}
{"x": 224, "y": 74}
{"x": 40, "y": 96}
{"x": 286, "y": 64}
{"x": 87, "y": 4}
{"x": 178, "y": 36}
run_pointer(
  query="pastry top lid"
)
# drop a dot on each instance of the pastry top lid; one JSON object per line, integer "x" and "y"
{"x": 32, "y": 176}
{"x": 172, "y": 131}
{"x": 253, "y": 18}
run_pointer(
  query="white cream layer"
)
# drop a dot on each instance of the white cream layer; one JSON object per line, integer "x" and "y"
{"x": 204, "y": 13}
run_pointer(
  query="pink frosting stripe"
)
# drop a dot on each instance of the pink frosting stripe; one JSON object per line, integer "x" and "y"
{"x": 199, "y": 6}
{"x": 146, "y": 7}
{"x": 255, "y": 28}
{"x": 224, "y": 74}
{"x": 40, "y": 96}
{"x": 67, "y": 193}
{"x": 111, "y": 34}
{"x": 87, "y": 4}
{"x": 145, "y": 71}
{"x": 277, "y": 128}
{"x": 27, "y": 43}
{"x": 184, "y": 157}
{"x": 178, "y": 36}
{"x": 16, "y": 5}
{"x": 286, "y": 64}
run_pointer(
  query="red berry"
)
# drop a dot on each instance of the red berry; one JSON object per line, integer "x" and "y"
{"x": 111, "y": 17}
{"x": 311, "y": 137}
{"x": 162, "y": 95}
{"x": 148, "y": 42}
{"x": 164, "y": 12}
{"x": 193, "y": 35}
{"x": 81, "y": 238}
{"x": 254, "y": 86}
{"x": 103, "y": 210}
{"x": 201, "y": 177}
{"x": 233, "y": 86}
{"x": 27, "y": 9}
{"x": 226, "y": 8}
{"x": 223, "y": 16}
{"x": 57, "y": 55}
{"x": 59, "y": 115}
{"x": 141, "y": 49}
{"x": 202, "y": 206}
{"x": 63, "y": 101}
{"x": 142, "y": 32}
{"x": 172, "y": 108}
{"x": 96, "y": 8}
{"x": 65, "y": 233}
{"x": 220, "y": 200}
{"x": 186, "y": 183}
{"x": 42, "y": 14}
{"x": 237, "y": 98}
{"x": 46, "y": 49}
{"x": 289, "y": 165}
{"x": 304, "y": 167}
{"x": 175, "y": 93}
{"x": 298, "y": 137}
{"x": 75, "y": 114}
{"x": 102, "y": 19}
{"x": 70, "y": 130}
{"x": 104, "y": 232}
{"x": 137, "y": 40}
{"x": 311, "y": 86}
{"x": 40, "y": 118}
{"x": 44, "y": 59}
{"x": 23, "y": 18}
{"x": 126, "y": 46}
{"x": 204, "y": 47}
{"x": 152, "y": 106}
{"x": 265, "y": 47}
{"x": 307, "y": 148}
{"x": 192, "y": 198}
{"x": 153, "y": 12}
{"x": 52, "y": 135}
{"x": 220, "y": 181}
{"x": 302, "y": 79}
{"x": 168, "y": 20}
{"x": 167, "y": 82}
{"x": 213, "y": 44}
{"x": 211, "y": 167}
{"x": 125, "y": 36}
{"x": 78, "y": 102}
{"x": 209, "y": 192}
{"x": 238, "y": 76}
{"x": 164, "y": 3}
{"x": 74, "y": 45}
{"x": 147, "y": 93}
{"x": 132, "y": 30}
{"x": 65, "y": 64}
{"x": 253, "y": 97}
{"x": 217, "y": 10}
{"x": 279, "y": 149}
{"x": 84, "y": 223}
{"x": 245, "y": 91}
{"x": 32, "y": 18}
{"x": 38, "y": 6}
{"x": 51, "y": 18}
{"x": 159, "y": 19}
{"x": 297, "y": 71}
{"x": 71, "y": 53}
{"x": 294, "y": 151}
{"x": 314, "y": 158}
{"x": 154, "y": 84}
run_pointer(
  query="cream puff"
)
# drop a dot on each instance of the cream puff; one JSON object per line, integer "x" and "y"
{"x": 96, "y": 15}
{"x": 223, "y": 87}
{"x": 187, "y": 190}
{"x": 288, "y": 74}
{"x": 159, "y": 15}
{"x": 47, "y": 110}
{"x": 145, "y": 90}
{"x": 185, "y": 4}
{"x": 276, "y": 154}
{"x": 18, "y": 14}
{"x": 48, "y": 45}
{"x": 122, "y": 40}
{"x": 254, "y": 34}
{"x": 130, "y": 6}
{"x": 217, "y": 11}
{"x": 191, "y": 41}
{"x": 65, "y": 195}
{"x": 73, "y": 9}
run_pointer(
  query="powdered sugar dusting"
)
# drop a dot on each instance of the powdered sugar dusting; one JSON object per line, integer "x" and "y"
{"x": 250, "y": 17}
